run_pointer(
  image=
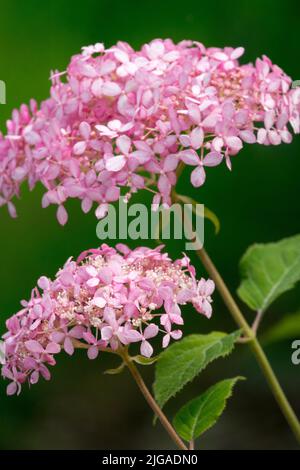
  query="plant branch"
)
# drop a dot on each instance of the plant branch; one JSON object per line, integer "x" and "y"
{"x": 257, "y": 321}
{"x": 122, "y": 352}
{"x": 248, "y": 332}
{"x": 79, "y": 345}
{"x": 254, "y": 344}
{"x": 150, "y": 400}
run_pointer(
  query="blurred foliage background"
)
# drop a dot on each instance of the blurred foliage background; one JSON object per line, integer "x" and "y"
{"x": 80, "y": 408}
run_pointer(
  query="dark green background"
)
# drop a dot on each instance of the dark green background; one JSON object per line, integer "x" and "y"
{"x": 258, "y": 201}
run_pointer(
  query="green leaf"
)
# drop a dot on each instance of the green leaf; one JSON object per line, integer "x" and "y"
{"x": 144, "y": 361}
{"x": 287, "y": 328}
{"x": 200, "y": 414}
{"x": 269, "y": 270}
{"x": 208, "y": 214}
{"x": 182, "y": 361}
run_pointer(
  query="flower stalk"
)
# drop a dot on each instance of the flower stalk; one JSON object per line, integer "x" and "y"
{"x": 150, "y": 400}
{"x": 249, "y": 333}
{"x": 254, "y": 344}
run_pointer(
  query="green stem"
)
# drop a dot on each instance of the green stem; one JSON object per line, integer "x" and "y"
{"x": 150, "y": 400}
{"x": 122, "y": 352}
{"x": 254, "y": 344}
{"x": 249, "y": 333}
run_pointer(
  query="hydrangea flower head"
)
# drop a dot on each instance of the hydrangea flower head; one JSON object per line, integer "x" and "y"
{"x": 119, "y": 120}
{"x": 108, "y": 298}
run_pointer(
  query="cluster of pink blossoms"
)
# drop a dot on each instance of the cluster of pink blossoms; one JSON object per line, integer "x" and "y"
{"x": 106, "y": 299}
{"x": 120, "y": 119}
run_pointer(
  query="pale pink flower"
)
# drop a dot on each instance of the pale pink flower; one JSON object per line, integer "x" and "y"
{"x": 108, "y": 298}
{"x": 149, "y": 332}
{"x": 202, "y": 301}
{"x": 119, "y": 120}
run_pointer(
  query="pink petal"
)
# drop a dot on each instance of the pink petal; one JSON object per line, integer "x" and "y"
{"x": 85, "y": 130}
{"x": 198, "y": 176}
{"x": 19, "y": 173}
{"x": 53, "y": 348}
{"x": 151, "y": 331}
{"x": 111, "y": 89}
{"x": 66, "y": 278}
{"x": 105, "y": 275}
{"x": 211, "y": 120}
{"x": 106, "y": 333}
{"x": 269, "y": 119}
{"x": 76, "y": 332}
{"x": 43, "y": 283}
{"x": 35, "y": 324}
{"x": 206, "y": 308}
{"x": 220, "y": 56}
{"x": 79, "y": 148}
{"x": 34, "y": 346}
{"x": 124, "y": 144}
{"x": 261, "y": 136}
{"x": 212, "y": 159}
{"x": 166, "y": 340}
{"x": 133, "y": 336}
{"x": 197, "y": 136}
{"x": 93, "y": 282}
{"x": 86, "y": 205}
{"x": 170, "y": 163}
{"x": 184, "y": 295}
{"x": 93, "y": 352}
{"x": 11, "y": 209}
{"x": 89, "y": 337}
{"x": 146, "y": 349}
{"x": 141, "y": 155}
{"x": 164, "y": 185}
{"x": 101, "y": 211}
{"x": 274, "y": 138}
{"x": 29, "y": 363}
{"x": 248, "y": 137}
{"x": 238, "y": 52}
{"x": 241, "y": 117}
{"x": 45, "y": 372}
{"x": 112, "y": 194}
{"x": 286, "y": 137}
{"x": 97, "y": 90}
{"x": 68, "y": 346}
{"x": 228, "y": 110}
{"x": 115, "y": 163}
{"x": 282, "y": 120}
{"x": 34, "y": 378}
{"x": 189, "y": 157}
{"x": 57, "y": 336}
{"x": 209, "y": 287}
{"x": 99, "y": 302}
{"x": 176, "y": 334}
{"x": 234, "y": 143}
{"x": 185, "y": 140}
{"x": 62, "y": 215}
{"x": 177, "y": 319}
{"x": 11, "y": 388}
{"x": 92, "y": 271}
{"x": 228, "y": 162}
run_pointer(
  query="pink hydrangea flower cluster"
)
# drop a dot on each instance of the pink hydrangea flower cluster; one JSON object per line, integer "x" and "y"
{"x": 106, "y": 299}
{"x": 120, "y": 119}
